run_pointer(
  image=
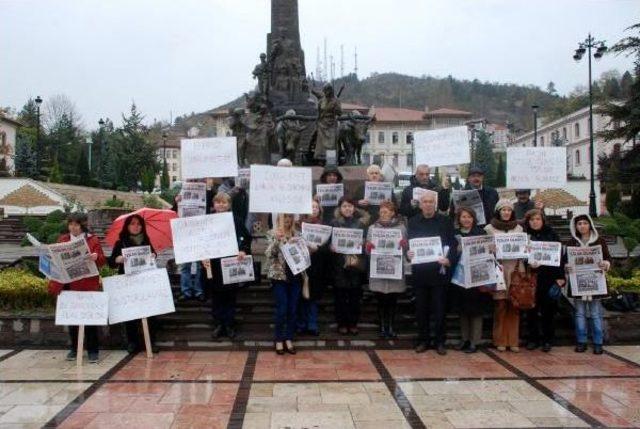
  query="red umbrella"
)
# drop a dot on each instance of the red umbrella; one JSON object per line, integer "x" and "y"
{"x": 157, "y": 224}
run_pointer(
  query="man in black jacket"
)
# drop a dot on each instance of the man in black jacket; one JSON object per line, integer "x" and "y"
{"x": 488, "y": 195}
{"x": 430, "y": 279}
{"x": 421, "y": 179}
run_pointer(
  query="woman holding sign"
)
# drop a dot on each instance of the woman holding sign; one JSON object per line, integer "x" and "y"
{"x": 506, "y": 317}
{"x": 286, "y": 286}
{"x": 584, "y": 235}
{"x": 77, "y": 226}
{"x": 348, "y": 265}
{"x": 223, "y": 296}
{"x": 549, "y": 280}
{"x": 133, "y": 234}
{"x": 387, "y": 289}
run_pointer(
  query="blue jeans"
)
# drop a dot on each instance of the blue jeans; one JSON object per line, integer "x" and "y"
{"x": 308, "y": 315}
{"x": 188, "y": 287}
{"x": 593, "y": 308}
{"x": 286, "y": 295}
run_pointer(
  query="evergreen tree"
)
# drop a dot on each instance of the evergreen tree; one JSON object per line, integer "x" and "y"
{"x": 626, "y": 84}
{"x": 484, "y": 157}
{"x": 25, "y": 160}
{"x": 82, "y": 169}
{"x": 501, "y": 172}
{"x": 551, "y": 88}
{"x": 164, "y": 178}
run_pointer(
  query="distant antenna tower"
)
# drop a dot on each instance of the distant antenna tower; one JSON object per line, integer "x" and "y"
{"x": 355, "y": 60}
{"x": 325, "y": 64}
{"x": 318, "y": 65}
{"x": 333, "y": 68}
{"x": 341, "y": 60}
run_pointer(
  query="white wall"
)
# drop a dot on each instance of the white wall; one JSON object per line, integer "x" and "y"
{"x": 9, "y": 132}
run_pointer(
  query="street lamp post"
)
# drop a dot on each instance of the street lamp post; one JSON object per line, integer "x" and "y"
{"x": 38, "y": 101}
{"x": 472, "y": 131}
{"x": 164, "y": 146}
{"x": 583, "y": 47}
{"x": 535, "y": 124}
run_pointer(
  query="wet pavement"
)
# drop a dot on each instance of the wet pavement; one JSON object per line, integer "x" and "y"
{"x": 351, "y": 388}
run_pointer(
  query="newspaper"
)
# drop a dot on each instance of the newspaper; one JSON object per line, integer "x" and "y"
{"x": 471, "y": 199}
{"x": 347, "y": 240}
{"x": 297, "y": 256}
{"x": 70, "y": 261}
{"x": 587, "y": 278}
{"x": 511, "y": 246}
{"x": 425, "y": 249}
{"x": 386, "y": 241}
{"x": 545, "y": 253}
{"x": 377, "y": 192}
{"x": 243, "y": 178}
{"x": 315, "y": 233}
{"x": 330, "y": 194}
{"x": 138, "y": 258}
{"x": 386, "y": 267}
{"x": 477, "y": 264}
{"x": 194, "y": 199}
{"x": 236, "y": 271}
{"x": 418, "y": 193}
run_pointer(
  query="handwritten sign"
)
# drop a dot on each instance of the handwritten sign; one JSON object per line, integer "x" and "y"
{"x": 446, "y": 146}
{"x": 209, "y": 157}
{"x": 75, "y": 308}
{"x": 536, "y": 167}
{"x": 204, "y": 237}
{"x": 139, "y": 295}
{"x": 280, "y": 189}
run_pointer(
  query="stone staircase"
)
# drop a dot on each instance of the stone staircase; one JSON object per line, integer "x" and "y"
{"x": 12, "y": 230}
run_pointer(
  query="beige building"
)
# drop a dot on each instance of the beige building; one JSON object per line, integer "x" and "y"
{"x": 8, "y": 131}
{"x": 572, "y": 132}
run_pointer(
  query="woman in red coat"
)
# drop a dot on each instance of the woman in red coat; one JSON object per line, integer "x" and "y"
{"x": 78, "y": 230}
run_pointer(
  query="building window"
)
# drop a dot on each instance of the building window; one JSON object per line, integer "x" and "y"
{"x": 564, "y": 132}
{"x": 228, "y": 133}
{"x": 577, "y": 156}
{"x": 377, "y": 159}
{"x": 367, "y": 138}
{"x": 576, "y": 130}
{"x": 541, "y": 140}
{"x": 410, "y": 161}
{"x": 395, "y": 160}
{"x": 394, "y": 137}
{"x": 381, "y": 137}
{"x": 366, "y": 158}
{"x": 174, "y": 178}
{"x": 409, "y": 137}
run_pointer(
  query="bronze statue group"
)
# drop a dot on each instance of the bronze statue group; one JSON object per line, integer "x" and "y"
{"x": 346, "y": 276}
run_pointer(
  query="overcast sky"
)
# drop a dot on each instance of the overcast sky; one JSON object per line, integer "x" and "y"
{"x": 193, "y": 55}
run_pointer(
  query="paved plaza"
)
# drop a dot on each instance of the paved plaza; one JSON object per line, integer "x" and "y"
{"x": 355, "y": 388}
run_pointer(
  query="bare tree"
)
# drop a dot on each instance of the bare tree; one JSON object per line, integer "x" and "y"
{"x": 56, "y": 107}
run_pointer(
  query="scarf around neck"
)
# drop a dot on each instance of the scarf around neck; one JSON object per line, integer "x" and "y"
{"x": 503, "y": 225}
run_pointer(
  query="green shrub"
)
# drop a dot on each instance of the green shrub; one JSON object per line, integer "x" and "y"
{"x": 114, "y": 202}
{"x": 47, "y": 229}
{"x": 21, "y": 290}
{"x": 107, "y": 271}
{"x": 152, "y": 202}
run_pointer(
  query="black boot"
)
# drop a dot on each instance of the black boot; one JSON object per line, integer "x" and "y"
{"x": 381, "y": 319}
{"x": 391, "y": 321}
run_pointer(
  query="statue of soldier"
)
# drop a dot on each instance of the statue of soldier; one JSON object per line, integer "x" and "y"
{"x": 239, "y": 131}
{"x": 288, "y": 133}
{"x": 329, "y": 110}
{"x": 261, "y": 72}
{"x": 260, "y": 135}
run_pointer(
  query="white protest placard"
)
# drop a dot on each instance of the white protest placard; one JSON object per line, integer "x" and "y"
{"x": 316, "y": 233}
{"x": 329, "y": 193}
{"x": 297, "y": 256}
{"x": 472, "y": 200}
{"x": 75, "y": 308}
{"x": 204, "y": 237}
{"x": 139, "y": 295}
{"x": 138, "y": 258}
{"x": 586, "y": 276}
{"x": 545, "y": 253}
{"x": 418, "y": 193}
{"x": 347, "y": 241}
{"x": 445, "y": 146}
{"x": 209, "y": 157}
{"x": 425, "y": 249}
{"x": 236, "y": 271}
{"x": 511, "y": 246}
{"x": 280, "y": 190}
{"x": 377, "y": 192}
{"x": 477, "y": 264}
{"x": 536, "y": 167}
{"x": 386, "y": 267}
{"x": 386, "y": 241}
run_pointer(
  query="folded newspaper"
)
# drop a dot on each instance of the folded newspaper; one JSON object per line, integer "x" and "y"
{"x": 65, "y": 262}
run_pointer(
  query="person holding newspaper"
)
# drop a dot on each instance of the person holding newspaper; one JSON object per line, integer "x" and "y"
{"x": 409, "y": 206}
{"x": 331, "y": 175}
{"x": 348, "y": 269}
{"x": 473, "y": 302}
{"x": 430, "y": 279}
{"x": 585, "y": 235}
{"x": 133, "y": 234}
{"x": 286, "y": 286}
{"x": 549, "y": 280}
{"x": 374, "y": 174}
{"x": 387, "y": 290}
{"x": 77, "y": 226}
{"x": 506, "y": 317}
{"x": 223, "y": 297}
{"x": 488, "y": 195}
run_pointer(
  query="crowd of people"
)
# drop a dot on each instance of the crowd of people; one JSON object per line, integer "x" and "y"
{"x": 347, "y": 276}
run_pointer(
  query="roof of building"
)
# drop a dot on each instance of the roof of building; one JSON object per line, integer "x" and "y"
{"x": 558, "y": 198}
{"x": 7, "y": 119}
{"x": 447, "y": 112}
{"x": 396, "y": 114}
{"x": 95, "y": 197}
{"x": 347, "y": 107}
{"x": 27, "y": 196}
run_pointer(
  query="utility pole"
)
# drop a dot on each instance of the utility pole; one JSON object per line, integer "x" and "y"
{"x": 355, "y": 60}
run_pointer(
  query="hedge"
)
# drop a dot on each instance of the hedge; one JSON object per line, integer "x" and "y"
{"x": 21, "y": 290}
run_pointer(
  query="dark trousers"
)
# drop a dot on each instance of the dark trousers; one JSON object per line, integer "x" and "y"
{"x": 430, "y": 303}
{"x": 387, "y": 303}
{"x": 223, "y": 306}
{"x": 286, "y": 295}
{"x": 90, "y": 338}
{"x": 135, "y": 335}
{"x": 347, "y": 303}
{"x": 542, "y": 315}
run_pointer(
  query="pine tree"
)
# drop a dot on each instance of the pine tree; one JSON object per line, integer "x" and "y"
{"x": 484, "y": 158}
{"x": 25, "y": 161}
{"x": 82, "y": 169}
{"x": 164, "y": 178}
{"x": 501, "y": 172}
{"x": 626, "y": 83}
